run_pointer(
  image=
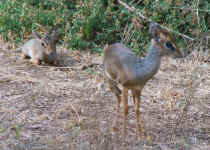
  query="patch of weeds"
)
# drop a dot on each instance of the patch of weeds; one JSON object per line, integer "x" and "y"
{"x": 2, "y": 131}
{"x": 17, "y": 131}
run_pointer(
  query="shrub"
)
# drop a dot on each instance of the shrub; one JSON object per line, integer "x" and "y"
{"x": 89, "y": 24}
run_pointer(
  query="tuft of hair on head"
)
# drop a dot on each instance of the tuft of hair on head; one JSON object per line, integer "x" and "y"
{"x": 57, "y": 34}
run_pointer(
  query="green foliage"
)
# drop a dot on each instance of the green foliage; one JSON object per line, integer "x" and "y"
{"x": 89, "y": 24}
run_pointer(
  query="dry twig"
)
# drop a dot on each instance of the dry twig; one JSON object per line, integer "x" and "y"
{"x": 2, "y": 117}
{"x": 191, "y": 9}
{"x": 133, "y": 9}
{"x": 198, "y": 14}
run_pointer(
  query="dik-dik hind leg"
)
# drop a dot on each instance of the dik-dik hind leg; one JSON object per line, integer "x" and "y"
{"x": 116, "y": 122}
{"x": 125, "y": 104}
{"x": 113, "y": 87}
{"x": 137, "y": 95}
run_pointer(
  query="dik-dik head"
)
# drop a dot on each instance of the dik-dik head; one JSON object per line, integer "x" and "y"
{"x": 48, "y": 41}
{"x": 163, "y": 39}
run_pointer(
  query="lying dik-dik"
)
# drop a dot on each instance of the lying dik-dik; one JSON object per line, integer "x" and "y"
{"x": 123, "y": 67}
{"x": 42, "y": 49}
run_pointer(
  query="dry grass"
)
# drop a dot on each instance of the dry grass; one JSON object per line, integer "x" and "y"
{"x": 70, "y": 106}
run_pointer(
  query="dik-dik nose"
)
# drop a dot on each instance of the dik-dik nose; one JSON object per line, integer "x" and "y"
{"x": 50, "y": 51}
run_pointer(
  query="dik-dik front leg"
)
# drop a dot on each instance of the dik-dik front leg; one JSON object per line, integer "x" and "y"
{"x": 137, "y": 96}
{"x": 125, "y": 104}
{"x": 133, "y": 94}
{"x": 56, "y": 61}
{"x": 113, "y": 87}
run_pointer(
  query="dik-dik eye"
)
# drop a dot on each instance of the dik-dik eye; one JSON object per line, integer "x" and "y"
{"x": 43, "y": 45}
{"x": 169, "y": 45}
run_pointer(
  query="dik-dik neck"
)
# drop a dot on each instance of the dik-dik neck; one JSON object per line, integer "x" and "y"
{"x": 147, "y": 68}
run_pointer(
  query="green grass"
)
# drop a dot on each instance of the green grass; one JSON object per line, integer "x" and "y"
{"x": 90, "y": 24}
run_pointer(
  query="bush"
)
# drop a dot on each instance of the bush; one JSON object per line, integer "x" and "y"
{"x": 89, "y": 24}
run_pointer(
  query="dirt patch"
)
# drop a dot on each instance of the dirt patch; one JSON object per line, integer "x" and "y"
{"x": 70, "y": 106}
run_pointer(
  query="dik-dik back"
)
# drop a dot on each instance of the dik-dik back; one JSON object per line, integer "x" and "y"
{"x": 41, "y": 49}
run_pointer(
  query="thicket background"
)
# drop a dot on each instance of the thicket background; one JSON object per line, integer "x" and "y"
{"x": 89, "y": 24}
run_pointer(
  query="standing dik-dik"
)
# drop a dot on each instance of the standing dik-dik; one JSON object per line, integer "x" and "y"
{"x": 123, "y": 67}
{"x": 42, "y": 49}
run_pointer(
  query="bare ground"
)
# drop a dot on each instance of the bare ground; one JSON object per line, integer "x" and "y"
{"x": 69, "y": 107}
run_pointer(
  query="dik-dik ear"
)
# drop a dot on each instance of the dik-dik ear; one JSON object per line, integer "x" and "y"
{"x": 49, "y": 30}
{"x": 56, "y": 36}
{"x": 155, "y": 30}
{"x": 36, "y": 35}
{"x": 47, "y": 35}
